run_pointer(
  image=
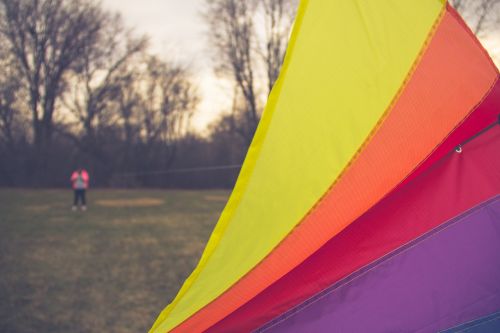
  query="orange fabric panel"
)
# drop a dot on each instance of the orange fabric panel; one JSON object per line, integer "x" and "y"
{"x": 453, "y": 75}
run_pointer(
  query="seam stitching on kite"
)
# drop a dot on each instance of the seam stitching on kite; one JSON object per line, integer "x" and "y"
{"x": 485, "y": 319}
{"x": 259, "y": 139}
{"x": 444, "y": 10}
{"x": 490, "y": 89}
{"x": 430, "y": 168}
{"x": 468, "y": 306}
{"x": 362, "y": 271}
{"x": 372, "y": 133}
{"x": 379, "y": 123}
{"x": 466, "y": 27}
{"x": 380, "y": 259}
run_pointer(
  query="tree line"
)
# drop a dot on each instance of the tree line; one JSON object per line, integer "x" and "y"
{"x": 80, "y": 88}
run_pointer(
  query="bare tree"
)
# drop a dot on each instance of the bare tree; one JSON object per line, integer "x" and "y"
{"x": 100, "y": 73}
{"x": 168, "y": 100}
{"x": 243, "y": 50}
{"x": 47, "y": 37}
{"x": 233, "y": 37}
{"x": 278, "y": 17}
{"x": 84, "y": 80}
{"x": 10, "y": 115}
{"x": 481, "y": 15}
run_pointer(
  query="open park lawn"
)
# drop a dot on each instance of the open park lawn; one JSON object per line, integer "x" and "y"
{"x": 110, "y": 269}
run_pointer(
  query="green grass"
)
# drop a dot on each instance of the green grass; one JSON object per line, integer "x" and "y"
{"x": 110, "y": 269}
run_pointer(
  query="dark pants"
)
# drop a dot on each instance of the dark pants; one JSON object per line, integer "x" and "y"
{"x": 79, "y": 196}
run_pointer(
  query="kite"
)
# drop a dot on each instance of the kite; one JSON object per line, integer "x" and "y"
{"x": 369, "y": 198}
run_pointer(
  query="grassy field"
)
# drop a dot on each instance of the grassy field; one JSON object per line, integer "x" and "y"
{"x": 110, "y": 269}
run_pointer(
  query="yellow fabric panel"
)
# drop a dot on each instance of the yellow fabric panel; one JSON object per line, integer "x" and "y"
{"x": 345, "y": 63}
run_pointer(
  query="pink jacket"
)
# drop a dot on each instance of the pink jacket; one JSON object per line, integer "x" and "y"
{"x": 80, "y": 180}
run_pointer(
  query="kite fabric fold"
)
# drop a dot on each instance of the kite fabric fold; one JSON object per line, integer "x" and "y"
{"x": 451, "y": 274}
{"x": 455, "y": 184}
{"x": 369, "y": 106}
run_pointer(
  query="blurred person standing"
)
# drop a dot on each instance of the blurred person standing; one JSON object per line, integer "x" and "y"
{"x": 80, "y": 183}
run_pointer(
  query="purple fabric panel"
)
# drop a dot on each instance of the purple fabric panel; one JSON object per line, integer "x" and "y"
{"x": 447, "y": 277}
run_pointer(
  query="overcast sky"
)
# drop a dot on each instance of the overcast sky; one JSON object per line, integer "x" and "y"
{"x": 178, "y": 32}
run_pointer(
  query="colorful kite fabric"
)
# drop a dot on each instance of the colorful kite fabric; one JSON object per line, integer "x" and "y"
{"x": 453, "y": 185}
{"x": 361, "y": 182}
{"x": 451, "y": 273}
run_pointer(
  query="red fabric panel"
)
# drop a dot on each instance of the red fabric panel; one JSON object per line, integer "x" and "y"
{"x": 486, "y": 115}
{"x": 452, "y": 185}
{"x": 451, "y": 78}
{"x": 471, "y": 125}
